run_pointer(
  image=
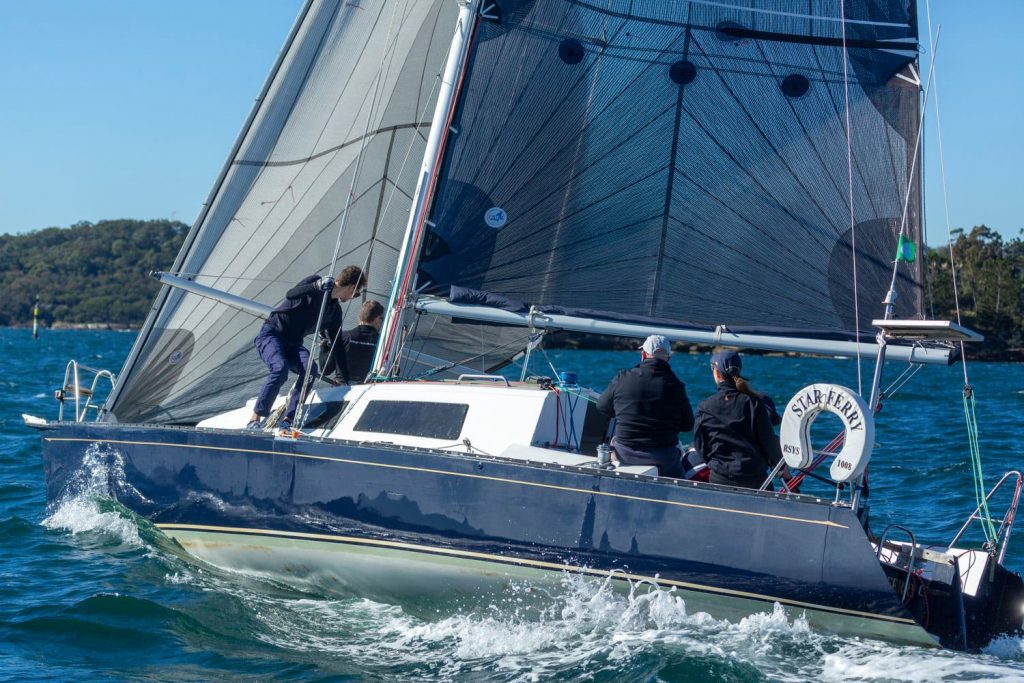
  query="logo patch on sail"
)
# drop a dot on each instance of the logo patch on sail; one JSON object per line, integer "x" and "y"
{"x": 495, "y": 217}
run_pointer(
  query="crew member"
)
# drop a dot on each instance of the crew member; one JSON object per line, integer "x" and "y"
{"x": 360, "y": 344}
{"x": 734, "y": 428}
{"x": 279, "y": 342}
{"x": 650, "y": 408}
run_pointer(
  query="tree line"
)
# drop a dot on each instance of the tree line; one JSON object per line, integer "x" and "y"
{"x": 989, "y": 278}
{"x": 99, "y": 272}
{"x": 87, "y": 273}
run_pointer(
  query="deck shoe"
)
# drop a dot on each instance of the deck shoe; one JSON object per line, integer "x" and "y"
{"x": 284, "y": 424}
{"x": 255, "y": 425}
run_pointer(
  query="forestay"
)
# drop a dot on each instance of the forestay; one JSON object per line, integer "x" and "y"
{"x": 685, "y": 161}
{"x": 353, "y": 78}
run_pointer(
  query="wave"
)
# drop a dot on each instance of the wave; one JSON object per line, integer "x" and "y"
{"x": 86, "y": 505}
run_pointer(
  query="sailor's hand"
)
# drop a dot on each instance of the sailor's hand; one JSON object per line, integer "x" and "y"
{"x": 325, "y": 284}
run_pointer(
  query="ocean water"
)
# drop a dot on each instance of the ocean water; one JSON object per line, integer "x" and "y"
{"x": 89, "y": 591}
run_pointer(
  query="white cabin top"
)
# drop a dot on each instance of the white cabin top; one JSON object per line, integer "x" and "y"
{"x": 524, "y": 421}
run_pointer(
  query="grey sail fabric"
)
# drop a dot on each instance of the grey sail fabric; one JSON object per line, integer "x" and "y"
{"x": 355, "y": 79}
{"x": 685, "y": 161}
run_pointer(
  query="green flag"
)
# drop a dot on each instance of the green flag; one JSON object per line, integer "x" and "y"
{"x": 905, "y": 250}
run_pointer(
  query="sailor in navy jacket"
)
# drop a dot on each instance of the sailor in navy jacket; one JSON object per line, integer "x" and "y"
{"x": 279, "y": 341}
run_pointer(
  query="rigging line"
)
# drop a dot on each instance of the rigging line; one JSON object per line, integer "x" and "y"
{"x": 382, "y": 212}
{"x": 208, "y": 312}
{"x": 388, "y": 56}
{"x": 305, "y": 82}
{"x": 387, "y": 50}
{"x": 905, "y": 376}
{"x": 813, "y": 140}
{"x": 945, "y": 200}
{"x": 408, "y": 150}
{"x": 917, "y": 146}
{"x": 362, "y": 139}
{"x": 853, "y": 219}
{"x": 970, "y": 414}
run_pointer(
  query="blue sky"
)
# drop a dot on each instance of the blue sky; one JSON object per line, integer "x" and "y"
{"x": 128, "y": 108}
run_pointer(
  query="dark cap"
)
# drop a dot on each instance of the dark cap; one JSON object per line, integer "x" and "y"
{"x": 727, "y": 362}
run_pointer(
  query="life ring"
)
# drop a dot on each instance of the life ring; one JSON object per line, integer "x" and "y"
{"x": 858, "y": 421}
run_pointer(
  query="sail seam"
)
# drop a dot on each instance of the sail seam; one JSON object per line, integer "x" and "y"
{"x": 347, "y": 143}
{"x": 670, "y": 181}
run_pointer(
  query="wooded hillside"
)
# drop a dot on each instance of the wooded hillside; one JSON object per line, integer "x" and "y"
{"x": 990, "y": 280}
{"x": 86, "y": 273}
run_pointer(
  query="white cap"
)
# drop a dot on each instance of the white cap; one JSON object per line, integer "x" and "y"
{"x": 656, "y": 343}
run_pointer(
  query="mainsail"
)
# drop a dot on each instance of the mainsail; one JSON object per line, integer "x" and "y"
{"x": 353, "y": 90}
{"x": 686, "y": 162}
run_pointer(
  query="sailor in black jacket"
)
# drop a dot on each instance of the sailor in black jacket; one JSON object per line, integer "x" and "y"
{"x": 360, "y": 344}
{"x": 734, "y": 428}
{"x": 650, "y": 408}
{"x": 279, "y": 341}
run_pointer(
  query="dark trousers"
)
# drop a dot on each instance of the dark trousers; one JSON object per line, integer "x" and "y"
{"x": 668, "y": 459}
{"x": 280, "y": 357}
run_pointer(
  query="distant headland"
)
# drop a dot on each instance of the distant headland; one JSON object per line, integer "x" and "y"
{"x": 96, "y": 276}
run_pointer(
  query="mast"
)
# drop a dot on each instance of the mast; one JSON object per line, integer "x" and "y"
{"x": 385, "y": 356}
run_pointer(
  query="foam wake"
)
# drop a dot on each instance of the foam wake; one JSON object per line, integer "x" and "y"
{"x": 86, "y": 504}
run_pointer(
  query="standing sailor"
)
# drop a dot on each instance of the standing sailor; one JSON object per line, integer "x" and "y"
{"x": 650, "y": 408}
{"x": 279, "y": 342}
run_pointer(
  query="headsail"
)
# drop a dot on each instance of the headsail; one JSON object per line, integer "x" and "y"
{"x": 354, "y": 78}
{"x": 685, "y": 161}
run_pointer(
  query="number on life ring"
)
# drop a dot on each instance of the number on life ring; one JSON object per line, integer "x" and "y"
{"x": 859, "y": 423}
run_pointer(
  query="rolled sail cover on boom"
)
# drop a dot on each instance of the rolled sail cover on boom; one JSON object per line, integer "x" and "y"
{"x": 353, "y": 77}
{"x": 685, "y": 161}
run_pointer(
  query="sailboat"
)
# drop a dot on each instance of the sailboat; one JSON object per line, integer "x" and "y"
{"x": 719, "y": 172}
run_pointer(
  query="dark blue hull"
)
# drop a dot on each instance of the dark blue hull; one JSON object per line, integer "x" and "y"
{"x": 710, "y": 542}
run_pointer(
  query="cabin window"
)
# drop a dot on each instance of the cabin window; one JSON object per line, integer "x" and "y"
{"x": 414, "y": 418}
{"x": 323, "y": 415}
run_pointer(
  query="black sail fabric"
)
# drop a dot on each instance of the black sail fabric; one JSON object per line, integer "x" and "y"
{"x": 354, "y": 94}
{"x": 685, "y": 161}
